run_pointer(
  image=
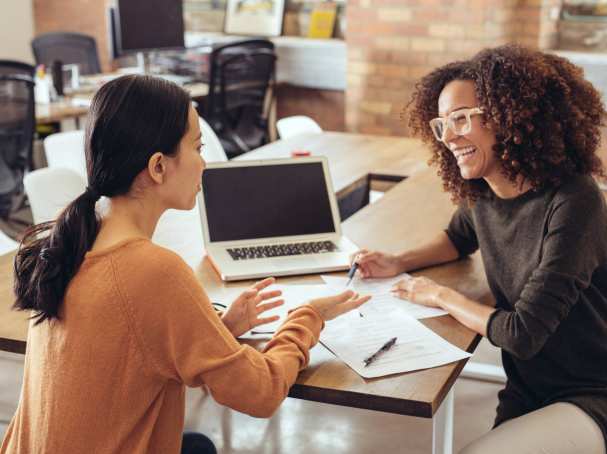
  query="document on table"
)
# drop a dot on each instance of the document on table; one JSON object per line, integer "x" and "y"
{"x": 353, "y": 339}
{"x": 383, "y": 300}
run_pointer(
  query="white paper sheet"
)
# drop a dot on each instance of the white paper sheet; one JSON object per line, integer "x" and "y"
{"x": 353, "y": 339}
{"x": 383, "y": 300}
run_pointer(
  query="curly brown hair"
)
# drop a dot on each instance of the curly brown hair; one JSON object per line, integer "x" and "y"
{"x": 545, "y": 115}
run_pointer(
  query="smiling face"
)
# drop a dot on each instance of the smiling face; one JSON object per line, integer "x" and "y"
{"x": 473, "y": 150}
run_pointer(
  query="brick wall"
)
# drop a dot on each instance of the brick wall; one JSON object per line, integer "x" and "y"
{"x": 392, "y": 43}
{"x": 81, "y": 16}
{"x": 326, "y": 107}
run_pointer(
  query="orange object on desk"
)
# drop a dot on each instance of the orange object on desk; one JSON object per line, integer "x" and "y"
{"x": 298, "y": 153}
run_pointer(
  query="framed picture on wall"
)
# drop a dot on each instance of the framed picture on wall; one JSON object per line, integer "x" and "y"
{"x": 254, "y": 17}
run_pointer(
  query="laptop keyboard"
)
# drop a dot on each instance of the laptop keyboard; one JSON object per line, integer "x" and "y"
{"x": 281, "y": 250}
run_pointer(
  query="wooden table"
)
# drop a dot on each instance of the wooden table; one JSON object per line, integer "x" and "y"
{"x": 410, "y": 213}
{"x": 57, "y": 111}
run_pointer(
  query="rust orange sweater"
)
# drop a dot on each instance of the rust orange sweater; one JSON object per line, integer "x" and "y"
{"x": 135, "y": 328}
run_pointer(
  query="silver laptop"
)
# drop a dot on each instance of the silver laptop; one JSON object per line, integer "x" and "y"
{"x": 274, "y": 217}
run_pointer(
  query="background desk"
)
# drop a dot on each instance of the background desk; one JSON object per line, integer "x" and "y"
{"x": 412, "y": 212}
{"x": 69, "y": 108}
{"x": 57, "y": 111}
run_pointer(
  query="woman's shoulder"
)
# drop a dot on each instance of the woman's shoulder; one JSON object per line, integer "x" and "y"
{"x": 579, "y": 200}
{"x": 579, "y": 188}
{"x": 140, "y": 256}
{"x": 142, "y": 267}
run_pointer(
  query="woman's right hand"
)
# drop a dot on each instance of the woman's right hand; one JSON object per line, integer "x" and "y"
{"x": 331, "y": 307}
{"x": 377, "y": 264}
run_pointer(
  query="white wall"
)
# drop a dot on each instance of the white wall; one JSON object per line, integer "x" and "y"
{"x": 16, "y": 30}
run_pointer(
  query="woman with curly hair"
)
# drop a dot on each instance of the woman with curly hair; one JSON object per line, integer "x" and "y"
{"x": 514, "y": 134}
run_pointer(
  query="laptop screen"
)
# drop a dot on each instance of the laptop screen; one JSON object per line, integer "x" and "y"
{"x": 264, "y": 201}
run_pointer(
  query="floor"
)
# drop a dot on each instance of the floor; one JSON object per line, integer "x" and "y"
{"x": 308, "y": 427}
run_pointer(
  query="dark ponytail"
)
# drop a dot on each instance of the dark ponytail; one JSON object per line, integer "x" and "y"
{"x": 50, "y": 255}
{"x": 130, "y": 119}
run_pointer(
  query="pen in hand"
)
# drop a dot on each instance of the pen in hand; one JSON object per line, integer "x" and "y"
{"x": 351, "y": 274}
{"x": 384, "y": 348}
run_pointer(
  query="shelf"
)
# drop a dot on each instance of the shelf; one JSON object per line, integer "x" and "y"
{"x": 301, "y": 62}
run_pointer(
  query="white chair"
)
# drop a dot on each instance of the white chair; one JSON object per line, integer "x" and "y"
{"x": 212, "y": 151}
{"x": 484, "y": 372}
{"x": 296, "y": 125}
{"x": 66, "y": 150}
{"x": 491, "y": 371}
{"x": 50, "y": 190}
{"x": 7, "y": 244}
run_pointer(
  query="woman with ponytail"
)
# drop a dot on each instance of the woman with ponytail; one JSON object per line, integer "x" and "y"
{"x": 119, "y": 325}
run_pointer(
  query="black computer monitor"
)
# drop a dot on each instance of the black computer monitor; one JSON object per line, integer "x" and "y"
{"x": 111, "y": 33}
{"x": 145, "y": 25}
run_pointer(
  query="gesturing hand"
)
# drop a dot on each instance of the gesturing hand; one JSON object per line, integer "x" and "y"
{"x": 244, "y": 313}
{"x": 334, "y": 306}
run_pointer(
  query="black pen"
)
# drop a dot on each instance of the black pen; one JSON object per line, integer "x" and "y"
{"x": 384, "y": 348}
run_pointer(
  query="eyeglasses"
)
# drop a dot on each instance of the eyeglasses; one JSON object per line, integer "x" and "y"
{"x": 458, "y": 122}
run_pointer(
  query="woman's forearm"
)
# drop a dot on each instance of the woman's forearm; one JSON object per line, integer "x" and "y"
{"x": 470, "y": 313}
{"x": 439, "y": 250}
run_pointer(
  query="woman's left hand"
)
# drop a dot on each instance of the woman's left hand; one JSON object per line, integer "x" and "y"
{"x": 420, "y": 290}
{"x": 244, "y": 313}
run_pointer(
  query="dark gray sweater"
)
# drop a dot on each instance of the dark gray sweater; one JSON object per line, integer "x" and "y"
{"x": 545, "y": 256}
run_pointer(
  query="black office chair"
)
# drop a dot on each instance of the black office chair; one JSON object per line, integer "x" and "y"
{"x": 240, "y": 79}
{"x": 69, "y": 48}
{"x": 17, "y": 125}
{"x": 12, "y": 67}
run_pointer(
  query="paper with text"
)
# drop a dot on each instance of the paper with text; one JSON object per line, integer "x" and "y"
{"x": 383, "y": 300}
{"x": 353, "y": 339}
